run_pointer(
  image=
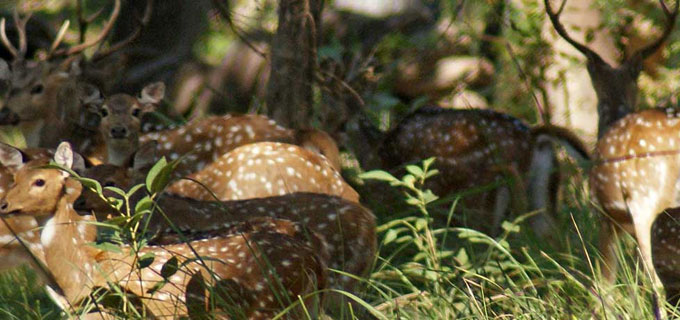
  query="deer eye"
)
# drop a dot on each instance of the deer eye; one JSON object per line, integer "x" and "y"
{"x": 37, "y": 89}
{"x": 104, "y": 112}
{"x": 39, "y": 183}
{"x": 135, "y": 112}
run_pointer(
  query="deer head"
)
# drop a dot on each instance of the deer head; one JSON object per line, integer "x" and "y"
{"x": 616, "y": 86}
{"x": 121, "y": 121}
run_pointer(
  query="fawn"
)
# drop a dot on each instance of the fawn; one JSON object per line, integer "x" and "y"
{"x": 235, "y": 262}
{"x": 631, "y": 148}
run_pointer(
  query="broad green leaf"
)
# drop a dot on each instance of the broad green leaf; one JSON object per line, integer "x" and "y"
{"x": 145, "y": 260}
{"x": 510, "y": 227}
{"x": 390, "y": 236}
{"x": 169, "y": 268}
{"x": 414, "y": 170}
{"x": 377, "y": 175}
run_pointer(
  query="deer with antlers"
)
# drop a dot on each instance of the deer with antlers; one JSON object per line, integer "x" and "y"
{"x": 41, "y": 101}
{"x": 242, "y": 265}
{"x": 632, "y": 146}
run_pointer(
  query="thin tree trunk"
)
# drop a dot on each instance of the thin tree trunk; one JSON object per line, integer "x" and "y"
{"x": 293, "y": 62}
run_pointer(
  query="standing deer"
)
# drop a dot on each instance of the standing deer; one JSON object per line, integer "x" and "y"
{"x": 637, "y": 164}
{"x": 481, "y": 147}
{"x": 256, "y": 274}
{"x": 264, "y": 169}
{"x": 347, "y": 227}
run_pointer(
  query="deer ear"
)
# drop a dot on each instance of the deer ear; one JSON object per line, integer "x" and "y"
{"x": 145, "y": 156}
{"x": 79, "y": 163}
{"x": 10, "y": 156}
{"x": 91, "y": 94}
{"x": 64, "y": 155}
{"x": 152, "y": 93}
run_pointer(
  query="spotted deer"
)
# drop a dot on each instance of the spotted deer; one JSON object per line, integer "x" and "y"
{"x": 632, "y": 147}
{"x": 121, "y": 124}
{"x": 206, "y": 140}
{"x": 50, "y": 98}
{"x": 479, "y": 148}
{"x": 347, "y": 227}
{"x": 666, "y": 253}
{"x": 264, "y": 169}
{"x": 256, "y": 274}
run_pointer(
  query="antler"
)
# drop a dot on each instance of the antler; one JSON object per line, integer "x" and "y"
{"x": 555, "y": 19}
{"x": 115, "y": 47}
{"x": 671, "y": 16}
{"x": 105, "y": 32}
{"x": 20, "y": 25}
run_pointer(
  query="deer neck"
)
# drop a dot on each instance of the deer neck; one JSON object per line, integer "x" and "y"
{"x": 68, "y": 256}
{"x": 32, "y": 131}
{"x": 118, "y": 151}
{"x": 610, "y": 112}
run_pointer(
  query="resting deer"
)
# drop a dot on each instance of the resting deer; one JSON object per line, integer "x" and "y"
{"x": 121, "y": 122}
{"x": 347, "y": 227}
{"x": 632, "y": 147}
{"x": 234, "y": 263}
{"x": 205, "y": 140}
{"x": 481, "y": 147}
{"x": 264, "y": 169}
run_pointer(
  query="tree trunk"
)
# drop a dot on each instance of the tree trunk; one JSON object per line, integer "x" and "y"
{"x": 293, "y": 62}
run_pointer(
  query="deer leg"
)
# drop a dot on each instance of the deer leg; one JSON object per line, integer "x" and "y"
{"x": 501, "y": 205}
{"x": 643, "y": 229}
{"x": 608, "y": 235}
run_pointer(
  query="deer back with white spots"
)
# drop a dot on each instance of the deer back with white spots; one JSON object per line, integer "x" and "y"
{"x": 257, "y": 273}
{"x": 636, "y": 170}
{"x": 206, "y": 140}
{"x": 265, "y": 169}
{"x": 481, "y": 147}
{"x": 348, "y": 227}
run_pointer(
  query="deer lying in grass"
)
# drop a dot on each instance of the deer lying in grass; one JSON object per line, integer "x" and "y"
{"x": 255, "y": 269}
{"x": 347, "y": 227}
{"x": 264, "y": 169}
{"x": 205, "y": 140}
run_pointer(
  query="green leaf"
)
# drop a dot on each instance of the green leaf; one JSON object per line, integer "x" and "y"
{"x": 154, "y": 177}
{"x": 91, "y": 184}
{"x": 106, "y": 246}
{"x": 144, "y": 205}
{"x": 156, "y": 287}
{"x": 409, "y": 180}
{"x": 390, "y": 236}
{"x": 428, "y": 196}
{"x": 117, "y": 191}
{"x": 414, "y": 170}
{"x": 169, "y": 268}
{"x": 421, "y": 224}
{"x": 510, "y": 227}
{"x": 378, "y": 175}
{"x": 145, "y": 260}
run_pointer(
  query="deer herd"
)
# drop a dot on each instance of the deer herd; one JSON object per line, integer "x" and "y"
{"x": 257, "y": 220}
